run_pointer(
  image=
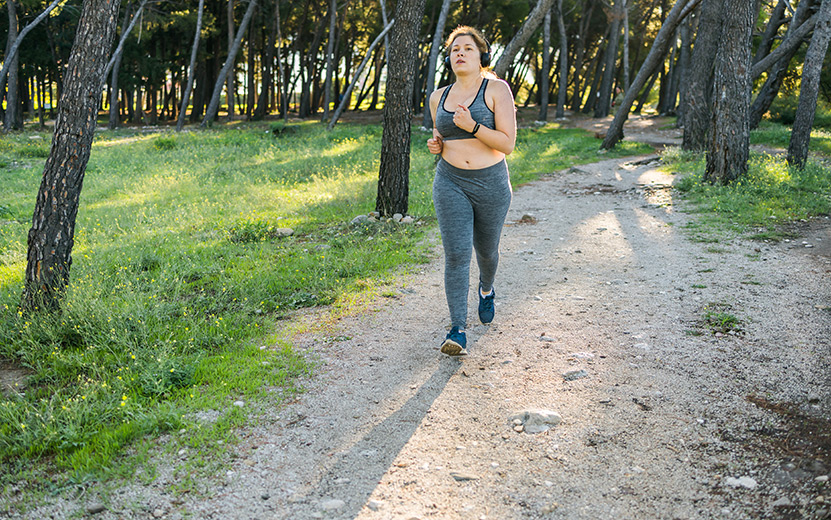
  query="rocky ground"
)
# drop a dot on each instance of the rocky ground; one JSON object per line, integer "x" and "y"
{"x": 601, "y": 325}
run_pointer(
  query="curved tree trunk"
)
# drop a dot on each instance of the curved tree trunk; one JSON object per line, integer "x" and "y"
{"x": 776, "y": 74}
{"x": 10, "y": 121}
{"x": 113, "y": 122}
{"x": 213, "y": 106}
{"x": 656, "y": 55}
{"x": 729, "y": 141}
{"x": 521, "y": 38}
{"x": 53, "y": 224}
{"x": 230, "y": 87}
{"x": 393, "y": 176}
{"x": 180, "y": 123}
{"x": 809, "y": 89}
{"x": 330, "y": 60}
{"x": 625, "y": 58}
{"x": 777, "y": 18}
{"x": 427, "y": 121}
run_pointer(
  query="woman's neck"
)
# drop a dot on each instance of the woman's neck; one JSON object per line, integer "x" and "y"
{"x": 468, "y": 81}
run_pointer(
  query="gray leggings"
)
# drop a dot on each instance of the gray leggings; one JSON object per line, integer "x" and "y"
{"x": 471, "y": 206}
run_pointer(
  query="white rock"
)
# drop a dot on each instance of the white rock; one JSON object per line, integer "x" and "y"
{"x": 582, "y": 355}
{"x": 397, "y": 217}
{"x": 374, "y": 505}
{"x": 822, "y": 478}
{"x": 158, "y": 513}
{"x": 332, "y": 505}
{"x": 573, "y": 375}
{"x": 239, "y": 403}
{"x": 283, "y": 232}
{"x": 537, "y": 420}
{"x": 360, "y": 219}
{"x": 745, "y": 482}
{"x": 782, "y": 502}
{"x": 407, "y": 220}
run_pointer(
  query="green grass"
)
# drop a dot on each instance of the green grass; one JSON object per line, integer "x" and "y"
{"x": 778, "y": 135}
{"x": 770, "y": 195}
{"x": 718, "y": 319}
{"x": 182, "y": 281}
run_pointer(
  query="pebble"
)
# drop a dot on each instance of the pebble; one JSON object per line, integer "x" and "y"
{"x": 745, "y": 482}
{"x": 407, "y": 220}
{"x": 283, "y": 232}
{"x": 397, "y": 217}
{"x": 782, "y": 502}
{"x": 360, "y": 219}
{"x": 550, "y": 508}
{"x": 582, "y": 355}
{"x": 158, "y": 513}
{"x": 574, "y": 375}
{"x": 546, "y": 338}
{"x": 239, "y": 403}
{"x": 822, "y": 478}
{"x": 462, "y": 476}
{"x": 265, "y": 496}
{"x": 94, "y": 509}
{"x": 537, "y": 421}
{"x": 332, "y": 505}
{"x": 374, "y": 505}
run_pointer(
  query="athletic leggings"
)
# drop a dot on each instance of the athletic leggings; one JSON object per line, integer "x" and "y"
{"x": 471, "y": 206}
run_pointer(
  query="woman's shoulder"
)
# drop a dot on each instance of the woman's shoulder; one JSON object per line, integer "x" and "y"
{"x": 438, "y": 93}
{"x": 499, "y": 86}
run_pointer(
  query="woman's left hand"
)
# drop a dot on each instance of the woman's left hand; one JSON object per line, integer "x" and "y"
{"x": 463, "y": 119}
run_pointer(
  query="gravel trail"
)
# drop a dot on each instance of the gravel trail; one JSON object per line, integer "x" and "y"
{"x": 601, "y": 298}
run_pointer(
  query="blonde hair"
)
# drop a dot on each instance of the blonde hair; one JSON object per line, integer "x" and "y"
{"x": 478, "y": 39}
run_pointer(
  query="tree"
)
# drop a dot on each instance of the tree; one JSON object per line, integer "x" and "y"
{"x": 180, "y": 123}
{"x": 604, "y": 99}
{"x": 53, "y": 225}
{"x": 12, "y": 121}
{"x": 435, "y": 47}
{"x": 546, "y": 65}
{"x": 676, "y": 15}
{"x": 809, "y": 88}
{"x": 213, "y": 106}
{"x": 700, "y": 88}
{"x": 330, "y": 60}
{"x": 393, "y": 176}
{"x": 729, "y": 141}
{"x": 520, "y": 39}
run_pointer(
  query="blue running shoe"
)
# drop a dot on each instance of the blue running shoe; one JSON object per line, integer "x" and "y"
{"x": 455, "y": 344}
{"x": 486, "y": 310}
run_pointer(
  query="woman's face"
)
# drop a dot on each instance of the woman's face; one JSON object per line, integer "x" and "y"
{"x": 464, "y": 54}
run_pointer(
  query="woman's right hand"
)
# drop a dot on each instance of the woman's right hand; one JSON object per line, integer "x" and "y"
{"x": 435, "y": 144}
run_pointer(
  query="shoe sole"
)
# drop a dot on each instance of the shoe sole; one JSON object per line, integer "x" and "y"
{"x": 451, "y": 348}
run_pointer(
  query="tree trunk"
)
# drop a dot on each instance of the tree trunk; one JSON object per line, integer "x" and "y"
{"x": 12, "y": 102}
{"x": 776, "y": 74}
{"x": 777, "y": 18}
{"x": 809, "y": 89}
{"x": 116, "y": 65}
{"x": 283, "y": 77}
{"x": 563, "y": 84}
{"x": 585, "y": 17}
{"x": 251, "y": 95}
{"x": 213, "y": 106}
{"x": 230, "y": 88}
{"x": 789, "y": 46}
{"x": 262, "y": 102}
{"x": 330, "y": 60}
{"x": 180, "y": 123}
{"x": 684, "y": 68}
{"x": 393, "y": 175}
{"x": 604, "y": 99}
{"x": 591, "y": 100}
{"x": 348, "y": 94}
{"x": 700, "y": 89}
{"x": 625, "y": 46}
{"x": 435, "y": 47}
{"x": 53, "y": 224}
{"x": 729, "y": 141}
{"x": 522, "y": 36}
{"x": 656, "y": 55}
{"x": 546, "y": 63}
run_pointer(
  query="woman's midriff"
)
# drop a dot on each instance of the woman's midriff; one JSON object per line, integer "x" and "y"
{"x": 470, "y": 154}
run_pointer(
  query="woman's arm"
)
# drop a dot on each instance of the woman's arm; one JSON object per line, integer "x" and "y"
{"x": 503, "y": 138}
{"x": 435, "y": 144}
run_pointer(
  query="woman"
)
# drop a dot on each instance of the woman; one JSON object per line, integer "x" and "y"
{"x": 475, "y": 128}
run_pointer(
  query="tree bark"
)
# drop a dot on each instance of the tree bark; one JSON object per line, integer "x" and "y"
{"x": 435, "y": 47}
{"x": 777, "y": 18}
{"x": 283, "y": 77}
{"x": 809, "y": 89}
{"x": 522, "y": 36}
{"x": 729, "y": 141}
{"x": 604, "y": 99}
{"x": 114, "y": 118}
{"x": 585, "y": 17}
{"x": 262, "y": 102}
{"x": 625, "y": 46}
{"x": 563, "y": 84}
{"x": 53, "y": 224}
{"x": 180, "y": 123}
{"x": 793, "y": 41}
{"x": 393, "y": 176}
{"x": 330, "y": 60}
{"x": 684, "y": 68}
{"x": 656, "y": 54}
{"x": 700, "y": 88}
{"x": 230, "y": 88}
{"x": 213, "y": 106}
{"x": 119, "y": 51}
{"x": 776, "y": 74}
{"x": 546, "y": 65}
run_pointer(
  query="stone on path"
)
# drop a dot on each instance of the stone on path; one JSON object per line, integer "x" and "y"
{"x": 782, "y": 502}
{"x": 462, "y": 476}
{"x": 94, "y": 509}
{"x": 374, "y": 505}
{"x": 574, "y": 375}
{"x": 332, "y": 505}
{"x": 745, "y": 482}
{"x": 537, "y": 420}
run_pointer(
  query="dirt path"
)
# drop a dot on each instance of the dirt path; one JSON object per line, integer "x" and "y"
{"x": 670, "y": 420}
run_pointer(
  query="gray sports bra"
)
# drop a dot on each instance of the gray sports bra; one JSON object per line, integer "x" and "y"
{"x": 479, "y": 110}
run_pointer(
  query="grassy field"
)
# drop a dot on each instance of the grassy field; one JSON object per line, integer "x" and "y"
{"x": 182, "y": 287}
{"x": 770, "y": 195}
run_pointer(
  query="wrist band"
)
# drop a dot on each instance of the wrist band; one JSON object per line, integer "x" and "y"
{"x": 475, "y": 129}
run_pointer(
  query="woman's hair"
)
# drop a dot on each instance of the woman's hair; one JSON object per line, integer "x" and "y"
{"x": 465, "y": 30}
